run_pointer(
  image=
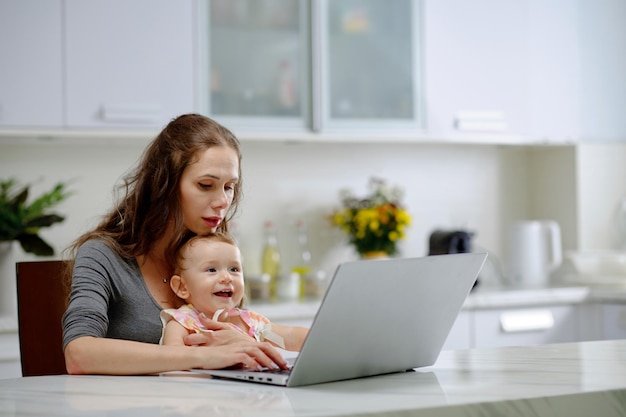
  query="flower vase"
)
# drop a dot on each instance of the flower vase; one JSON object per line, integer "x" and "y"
{"x": 378, "y": 254}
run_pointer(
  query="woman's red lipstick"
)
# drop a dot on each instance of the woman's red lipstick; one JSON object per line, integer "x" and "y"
{"x": 212, "y": 221}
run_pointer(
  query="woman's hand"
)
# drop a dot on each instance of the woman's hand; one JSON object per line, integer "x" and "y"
{"x": 220, "y": 334}
{"x": 239, "y": 348}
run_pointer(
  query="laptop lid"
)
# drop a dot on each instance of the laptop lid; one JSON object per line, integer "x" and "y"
{"x": 382, "y": 316}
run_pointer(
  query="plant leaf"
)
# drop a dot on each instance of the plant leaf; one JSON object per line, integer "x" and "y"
{"x": 32, "y": 243}
{"x": 45, "y": 201}
{"x": 19, "y": 200}
{"x": 43, "y": 221}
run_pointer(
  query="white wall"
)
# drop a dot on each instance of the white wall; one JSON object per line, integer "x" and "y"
{"x": 477, "y": 187}
{"x": 449, "y": 186}
{"x": 601, "y": 184}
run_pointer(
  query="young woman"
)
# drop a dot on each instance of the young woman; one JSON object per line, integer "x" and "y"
{"x": 187, "y": 182}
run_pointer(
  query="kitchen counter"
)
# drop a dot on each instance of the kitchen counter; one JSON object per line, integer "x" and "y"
{"x": 575, "y": 379}
{"x": 482, "y": 298}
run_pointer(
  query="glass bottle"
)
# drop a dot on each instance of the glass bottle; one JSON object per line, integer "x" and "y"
{"x": 303, "y": 264}
{"x": 270, "y": 261}
{"x": 308, "y": 280}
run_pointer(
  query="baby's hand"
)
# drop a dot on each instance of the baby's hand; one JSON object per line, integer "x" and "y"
{"x": 220, "y": 315}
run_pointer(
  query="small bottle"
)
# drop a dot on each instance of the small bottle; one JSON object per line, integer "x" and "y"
{"x": 303, "y": 265}
{"x": 270, "y": 260}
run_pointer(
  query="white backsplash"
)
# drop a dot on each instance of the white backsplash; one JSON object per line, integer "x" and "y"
{"x": 479, "y": 188}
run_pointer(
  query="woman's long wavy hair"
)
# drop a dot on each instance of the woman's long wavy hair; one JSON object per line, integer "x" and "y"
{"x": 150, "y": 198}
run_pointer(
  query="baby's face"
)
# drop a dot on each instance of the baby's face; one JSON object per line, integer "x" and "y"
{"x": 213, "y": 275}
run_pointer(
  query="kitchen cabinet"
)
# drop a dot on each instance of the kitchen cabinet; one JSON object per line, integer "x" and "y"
{"x": 475, "y": 67}
{"x": 542, "y": 71}
{"x": 31, "y": 66}
{"x": 613, "y": 321}
{"x": 603, "y": 63}
{"x": 318, "y": 65}
{"x": 525, "y": 326}
{"x": 554, "y": 70}
{"x": 129, "y": 64}
{"x": 258, "y": 59}
{"x": 371, "y": 64}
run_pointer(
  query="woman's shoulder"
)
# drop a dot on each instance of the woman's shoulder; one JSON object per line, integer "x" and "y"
{"x": 98, "y": 250}
{"x": 97, "y": 246}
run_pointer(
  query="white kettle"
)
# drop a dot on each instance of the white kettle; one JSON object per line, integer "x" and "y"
{"x": 534, "y": 252}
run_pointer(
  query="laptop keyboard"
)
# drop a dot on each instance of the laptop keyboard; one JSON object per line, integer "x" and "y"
{"x": 276, "y": 371}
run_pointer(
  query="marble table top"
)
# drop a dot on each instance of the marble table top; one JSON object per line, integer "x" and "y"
{"x": 574, "y": 379}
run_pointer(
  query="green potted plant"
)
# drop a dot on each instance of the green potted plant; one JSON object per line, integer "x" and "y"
{"x": 21, "y": 221}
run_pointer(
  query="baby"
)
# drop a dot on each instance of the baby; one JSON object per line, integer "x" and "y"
{"x": 209, "y": 277}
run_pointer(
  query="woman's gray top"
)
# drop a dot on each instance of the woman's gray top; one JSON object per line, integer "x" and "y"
{"x": 109, "y": 298}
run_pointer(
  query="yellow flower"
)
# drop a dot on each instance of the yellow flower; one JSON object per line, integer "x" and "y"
{"x": 375, "y": 223}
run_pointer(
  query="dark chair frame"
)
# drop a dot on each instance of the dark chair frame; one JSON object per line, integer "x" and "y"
{"x": 41, "y": 301}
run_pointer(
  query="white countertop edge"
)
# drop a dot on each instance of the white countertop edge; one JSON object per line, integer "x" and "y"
{"x": 487, "y": 298}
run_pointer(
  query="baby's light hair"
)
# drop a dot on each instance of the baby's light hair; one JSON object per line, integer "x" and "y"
{"x": 191, "y": 239}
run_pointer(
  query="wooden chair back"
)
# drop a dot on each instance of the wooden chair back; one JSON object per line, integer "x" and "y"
{"x": 41, "y": 302}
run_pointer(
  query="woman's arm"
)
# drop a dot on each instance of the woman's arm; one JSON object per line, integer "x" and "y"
{"x": 94, "y": 355}
{"x": 293, "y": 335}
{"x": 96, "y": 343}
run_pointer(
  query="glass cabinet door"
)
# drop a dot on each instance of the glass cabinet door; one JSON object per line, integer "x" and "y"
{"x": 258, "y": 62}
{"x": 370, "y": 61}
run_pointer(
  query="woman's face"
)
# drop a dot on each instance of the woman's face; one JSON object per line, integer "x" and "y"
{"x": 207, "y": 188}
{"x": 212, "y": 276}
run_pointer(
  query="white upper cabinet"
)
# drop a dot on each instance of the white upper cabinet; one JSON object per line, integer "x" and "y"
{"x": 475, "y": 67}
{"x": 129, "y": 63}
{"x": 30, "y": 64}
{"x": 314, "y": 65}
{"x": 603, "y": 70}
{"x": 258, "y": 68}
{"x": 554, "y": 71}
{"x": 500, "y": 71}
{"x": 370, "y": 65}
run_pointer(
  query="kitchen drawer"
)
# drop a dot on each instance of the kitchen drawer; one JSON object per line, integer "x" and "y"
{"x": 614, "y": 321}
{"x": 526, "y": 326}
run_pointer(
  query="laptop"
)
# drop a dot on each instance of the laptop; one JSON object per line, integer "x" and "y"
{"x": 377, "y": 317}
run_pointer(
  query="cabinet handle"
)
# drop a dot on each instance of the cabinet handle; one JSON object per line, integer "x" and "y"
{"x": 481, "y": 121}
{"x": 131, "y": 112}
{"x": 526, "y": 321}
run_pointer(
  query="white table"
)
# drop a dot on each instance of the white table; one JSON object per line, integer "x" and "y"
{"x": 576, "y": 379}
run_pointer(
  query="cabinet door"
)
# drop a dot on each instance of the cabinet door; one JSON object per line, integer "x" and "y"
{"x": 370, "y": 57}
{"x": 475, "y": 62}
{"x": 529, "y": 326}
{"x": 614, "y": 321}
{"x": 129, "y": 63}
{"x": 554, "y": 70}
{"x": 603, "y": 65}
{"x": 30, "y": 67}
{"x": 258, "y": 63}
